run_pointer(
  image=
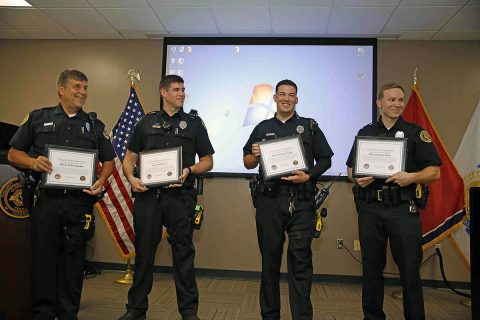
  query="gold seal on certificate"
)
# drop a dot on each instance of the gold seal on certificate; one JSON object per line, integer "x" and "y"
{"x": 161, "y": 167}
{"x": 72, "y": 168}
{"x": 379, "y": 157}
{"x": 280, "y": 157}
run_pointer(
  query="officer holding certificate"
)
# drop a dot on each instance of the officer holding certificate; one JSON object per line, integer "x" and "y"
{"x": 388, "y": 207}
{"x": 171, "y": 134}
{"x": 58, "y": 216}
{"x": 285, "y": 204}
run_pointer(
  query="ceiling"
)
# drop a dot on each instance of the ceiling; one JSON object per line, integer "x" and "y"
{"x": 153, "y": 19}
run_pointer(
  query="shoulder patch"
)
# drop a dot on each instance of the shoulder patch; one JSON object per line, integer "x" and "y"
{"x": 425, "y": 136}
{"x": 25, "y": 119}
{"x": 105, "y": 134}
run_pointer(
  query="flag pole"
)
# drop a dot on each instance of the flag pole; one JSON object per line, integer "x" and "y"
{"x": 127, "y": 277}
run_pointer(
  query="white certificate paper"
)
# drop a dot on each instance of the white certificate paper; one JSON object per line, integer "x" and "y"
{"x": 379, "y": 157}
{"x": 71, "y": 168}
{"x": 280, "y": 157}
{"x": 161, "y": 167}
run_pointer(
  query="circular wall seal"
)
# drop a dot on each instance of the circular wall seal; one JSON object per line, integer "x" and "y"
{"x": 11, "y": 200}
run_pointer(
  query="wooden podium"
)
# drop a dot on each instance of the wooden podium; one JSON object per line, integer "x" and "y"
{"x": 15, "y": 250}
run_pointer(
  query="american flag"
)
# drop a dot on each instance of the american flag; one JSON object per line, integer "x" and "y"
{"x": 117, "y": 205}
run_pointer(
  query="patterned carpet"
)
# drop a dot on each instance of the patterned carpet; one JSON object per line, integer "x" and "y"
{"x": 236, "y": 299}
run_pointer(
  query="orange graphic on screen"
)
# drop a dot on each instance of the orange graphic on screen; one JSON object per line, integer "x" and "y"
{"x": 260, "y": 105}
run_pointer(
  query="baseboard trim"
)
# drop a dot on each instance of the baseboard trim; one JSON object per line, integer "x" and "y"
{"x": 323, "y": 278}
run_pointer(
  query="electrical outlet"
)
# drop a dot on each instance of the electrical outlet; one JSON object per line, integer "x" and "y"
{"x": 438, "y": 246}
{"x": 356, "y": 245}
{"x": 339, "y": 243}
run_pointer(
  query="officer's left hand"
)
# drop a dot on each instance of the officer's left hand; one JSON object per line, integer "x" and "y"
{"x": 297, "y": 177}
{"x": 95, "y": 189}
{"x": 402, "y": 178}
{"x": 184, "y": 176}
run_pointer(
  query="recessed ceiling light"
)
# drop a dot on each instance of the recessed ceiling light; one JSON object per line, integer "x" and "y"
{"x": 14, "y": 3}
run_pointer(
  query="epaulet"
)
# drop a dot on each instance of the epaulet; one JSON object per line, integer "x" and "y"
{"x": 193, "y": 114}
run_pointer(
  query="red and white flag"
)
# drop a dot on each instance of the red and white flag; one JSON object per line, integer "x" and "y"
{"x": 445, "y": 207}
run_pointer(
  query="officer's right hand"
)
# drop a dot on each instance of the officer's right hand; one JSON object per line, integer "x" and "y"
{"x": 41, "y": 164}
{"x": 364, "y": 181}
{"x": 256, "y": 150}
{"x": 137, "y": 185}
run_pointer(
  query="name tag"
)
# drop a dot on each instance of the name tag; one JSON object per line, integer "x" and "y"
{"x": 46, "y": 124}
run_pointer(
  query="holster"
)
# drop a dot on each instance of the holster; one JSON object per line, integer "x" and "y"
{"x": 29, "y": 188}
{"x": 421, "y": 195}
{"x": 88, "y": 226}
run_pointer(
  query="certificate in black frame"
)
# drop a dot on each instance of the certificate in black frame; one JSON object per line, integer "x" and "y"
{"x": 174, "y": 180}
{"x": 366, "y": 170}
{"x": 283, "y": 173}
{"x": 51, "y": 180}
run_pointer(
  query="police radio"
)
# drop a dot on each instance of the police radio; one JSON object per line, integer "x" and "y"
{"x": 319, "y": 198}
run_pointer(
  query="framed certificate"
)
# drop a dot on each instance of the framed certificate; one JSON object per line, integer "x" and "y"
{"x": 379, "y": 157}
{"x": 281, "y": 156}
{"x": 161, "y": 167}
{"x": 72, "y": 168}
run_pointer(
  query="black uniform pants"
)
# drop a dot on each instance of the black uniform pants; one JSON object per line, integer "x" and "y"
{"x": 58, "y": 248}
{"x": 376, "y": 225}
{"x": 174, "y": 208}
{"x": 273, "y": 219}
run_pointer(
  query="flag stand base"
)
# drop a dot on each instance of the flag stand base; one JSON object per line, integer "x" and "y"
{"x": 127, "y": 278}
{"x": 466, "y": 302}
{"x": 397, "y": 294}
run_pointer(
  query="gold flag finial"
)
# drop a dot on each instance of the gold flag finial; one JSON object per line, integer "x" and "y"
{"x": 133, "y": 75}
{"x": 415, "y": 77}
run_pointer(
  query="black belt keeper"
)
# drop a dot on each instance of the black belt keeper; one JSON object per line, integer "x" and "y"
{"x": 395, "y": 193}
{"x": 386, "y": 195}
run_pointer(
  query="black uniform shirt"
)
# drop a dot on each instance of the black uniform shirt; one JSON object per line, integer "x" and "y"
{"x": 53, "y": 126}
{"x": 157, "y": 130}
{"x": 421, "y": 152}
{"x": 314, "y": 142}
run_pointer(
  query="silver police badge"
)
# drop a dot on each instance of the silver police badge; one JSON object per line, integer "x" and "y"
{"x": 399, "y": 134}
{"x": 182, "y": 124}
{"x": 87, "y": 126}
{"x": 300, "y": 129}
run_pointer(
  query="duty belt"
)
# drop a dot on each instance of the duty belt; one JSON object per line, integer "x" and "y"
{"x": 388, "y": 194}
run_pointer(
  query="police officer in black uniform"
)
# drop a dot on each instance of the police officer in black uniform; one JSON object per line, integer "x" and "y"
{"x": 173, "y": 206}
{"x": 58, "y": 216}
{"x": 388, "y": 208}
{"x": 286, "y": 205}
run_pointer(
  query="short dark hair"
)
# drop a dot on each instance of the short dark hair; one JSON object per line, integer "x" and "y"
{"x": 286, "y": 82}
{"x": 386, "y": 86}
{"x": 168, "y": 80}
{"x": 70, "y": 74}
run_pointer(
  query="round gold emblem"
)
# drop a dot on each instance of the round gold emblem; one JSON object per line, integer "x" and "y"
{"x": 82, "y": 178}
{"x": 11, "y": 200}
{"x": 58, "y": 176}
{"x": 274, "y": 167}
{"x": 149, "y": 176}
{"x": 295, "y": 162}
{"x": 425, "y": 136}
{"x": 169, "y": 173}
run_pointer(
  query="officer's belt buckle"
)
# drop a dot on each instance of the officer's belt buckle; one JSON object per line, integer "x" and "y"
{"x": 379, "y": 195}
